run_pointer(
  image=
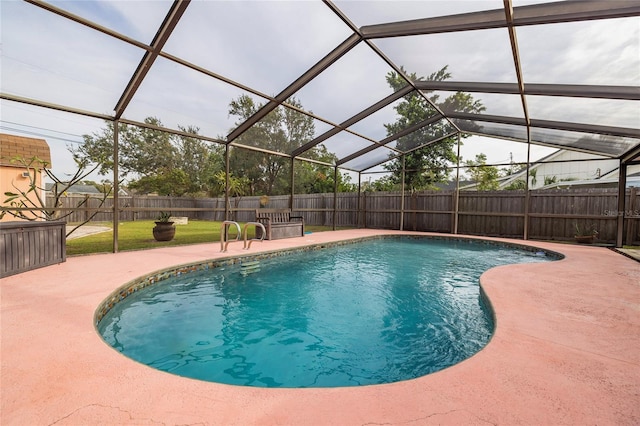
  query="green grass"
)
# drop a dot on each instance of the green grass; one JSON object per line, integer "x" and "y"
{"x": 138, "y": 235}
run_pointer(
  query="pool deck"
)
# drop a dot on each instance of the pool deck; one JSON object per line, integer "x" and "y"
{"x": 566, "y": 351}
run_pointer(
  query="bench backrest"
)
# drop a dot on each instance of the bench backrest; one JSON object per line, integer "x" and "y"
{"x": 276, "y": 215}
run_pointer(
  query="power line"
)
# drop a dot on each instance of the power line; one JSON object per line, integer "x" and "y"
{"x": 41, "y": 128}
{"x": 43, "y": 135}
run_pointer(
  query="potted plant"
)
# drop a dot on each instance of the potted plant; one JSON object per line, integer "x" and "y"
{"x": 164, "y": 230}
{"x": 585, "y": 234}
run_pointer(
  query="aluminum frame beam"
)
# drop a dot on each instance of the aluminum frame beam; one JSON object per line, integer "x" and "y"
{"x": 631, "y": 155}
{"x": 546, "y": 13}
{"x": 60, "y": 12}
{"x": 548, "y": 124}
{"x": 631, "y": 93}
{"x": 57, "y": 107}
{"x": 391, "y": 138}
{"x": 353, "y": 120}
{"x": 305, "y": 78}
{"x": 587, "y": 128}
{"x": 407, "y": 152}
{"x": 168, "y": 25}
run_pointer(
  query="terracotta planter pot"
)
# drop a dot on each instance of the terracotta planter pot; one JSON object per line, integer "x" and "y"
{"x": 164, "y": 231}
{"x": 584, "y": 239}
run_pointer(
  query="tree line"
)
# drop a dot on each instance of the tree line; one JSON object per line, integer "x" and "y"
{"x": 153, "y": 161}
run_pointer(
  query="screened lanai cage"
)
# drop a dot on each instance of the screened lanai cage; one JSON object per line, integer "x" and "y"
{"x": 295, "y": 98}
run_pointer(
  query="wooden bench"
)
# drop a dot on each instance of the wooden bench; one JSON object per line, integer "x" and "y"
{"x": 279, "y": 223}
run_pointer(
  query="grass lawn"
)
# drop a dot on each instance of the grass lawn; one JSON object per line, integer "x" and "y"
{"x": 138, "y": 235}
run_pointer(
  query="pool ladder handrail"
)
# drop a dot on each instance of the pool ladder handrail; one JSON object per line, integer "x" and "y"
{"x": 247, "y": 244}
{"x": 224, "y": 242}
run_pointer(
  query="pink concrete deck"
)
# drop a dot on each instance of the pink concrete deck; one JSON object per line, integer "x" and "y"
{"x": 566, "y": 351}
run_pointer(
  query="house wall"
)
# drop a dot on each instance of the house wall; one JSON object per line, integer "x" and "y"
{"x": 577, "y": 170}
{"x": 10, "y": 179}
{"x": 14, "y": 152}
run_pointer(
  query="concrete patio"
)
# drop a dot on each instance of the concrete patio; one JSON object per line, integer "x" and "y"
{"x": 566, "y": 351}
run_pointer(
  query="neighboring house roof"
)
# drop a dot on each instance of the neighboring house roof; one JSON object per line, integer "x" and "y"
{"x": 78, "y": 189}
{"x": 521, "y": 175}
{"x": 632, "y": 181}
{"x": 606, "y": 172}
{"x": 12, "y": 146}
{"x": 451, "y": 184}
{"x": 608, "y": 179}
{"x": 470, "y": 184}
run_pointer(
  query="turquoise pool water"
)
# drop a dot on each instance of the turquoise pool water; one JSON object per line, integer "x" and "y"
{"x": 373, "y": 312}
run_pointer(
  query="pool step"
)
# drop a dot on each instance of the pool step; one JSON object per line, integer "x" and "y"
{"x": 247, "y": 268}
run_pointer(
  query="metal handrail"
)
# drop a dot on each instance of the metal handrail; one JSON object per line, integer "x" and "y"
{"x": 264, "y": 232}
{"x": 224, "y": 242}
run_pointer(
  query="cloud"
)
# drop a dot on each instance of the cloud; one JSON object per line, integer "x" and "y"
{"x": 267, "y": 45}
{"x": 603, "y": 52}
{"x": 63, "y": 62}
{"x": 255, "y": 43}
{"x": 378, "y": 12}
{"x": 136, "y": 19}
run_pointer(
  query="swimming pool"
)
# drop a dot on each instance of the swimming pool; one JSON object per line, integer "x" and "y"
{"x": 379, "y": 311}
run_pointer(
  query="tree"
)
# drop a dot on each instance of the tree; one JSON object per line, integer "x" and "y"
{"x": 313, "y": 178}
{"x": 198, "y": 160}
{"x": 533, "y": 174}
{"x": 150, "y": 157}
{"x": 485, "y": 176}
{"x": 238, "y": 187}
{"x": 518, "y": 184}
{"x": 430, "y": 164}
{"x": 282, "y": 130}
{"x": 170, "y": 182}
{"x": 383, "y": 184}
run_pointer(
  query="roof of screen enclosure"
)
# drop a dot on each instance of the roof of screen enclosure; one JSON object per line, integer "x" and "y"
{"x": 333, "y": 57}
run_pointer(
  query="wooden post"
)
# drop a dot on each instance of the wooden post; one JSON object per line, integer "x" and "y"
{"x": 359, "y": 198}
{"x": 622, "y": 185}
{"x": 456, "y": 194}
{"x": 402, "y": 198}
{"x": 335, "y": 196}
{"x": 292, "y": 181}
{"x": 631, "y": 224}
{"x": 364, "y": 211}
{"x": 527, "y": 198}
{"x": 226, "y": 183}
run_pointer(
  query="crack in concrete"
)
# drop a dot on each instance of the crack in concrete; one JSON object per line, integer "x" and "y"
{"x": 421, "y": 419}
{"x": 102, "y": 406}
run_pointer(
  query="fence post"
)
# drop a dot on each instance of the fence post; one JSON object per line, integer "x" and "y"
{"x": 631, "y": 224}
{"x": 402, "y": 199}
{"x": 527, "y": 197}
{"x": 456, "y": 194}
{"x": 622, "y": 185}
{"x": 335, "y": 196}
{"x": 226, "y": 184}
{"x": 292, "y": 184}
{"x": 359, "y": 198}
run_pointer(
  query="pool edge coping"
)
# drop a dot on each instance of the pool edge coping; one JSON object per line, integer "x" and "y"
{"x": 146, "y": 280}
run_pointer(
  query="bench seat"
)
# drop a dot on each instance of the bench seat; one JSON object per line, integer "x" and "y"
{"x": 279, "y": 223}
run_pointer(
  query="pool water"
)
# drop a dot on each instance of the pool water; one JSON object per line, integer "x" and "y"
{"x": 375, "y": 312}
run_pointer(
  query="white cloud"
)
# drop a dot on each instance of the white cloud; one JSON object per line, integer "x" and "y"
{"x": 136, "y": 19}
{"x": 592, "y": 52}
{"x": 268, "y": 44}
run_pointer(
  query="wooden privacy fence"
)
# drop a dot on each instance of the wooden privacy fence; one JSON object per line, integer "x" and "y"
{"x": 552, "y": 214}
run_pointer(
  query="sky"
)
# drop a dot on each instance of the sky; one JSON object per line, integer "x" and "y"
{"x": 266, "y": 45}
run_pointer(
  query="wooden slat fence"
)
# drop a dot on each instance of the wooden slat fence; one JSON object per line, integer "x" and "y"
{"x": 552, "y": 213}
